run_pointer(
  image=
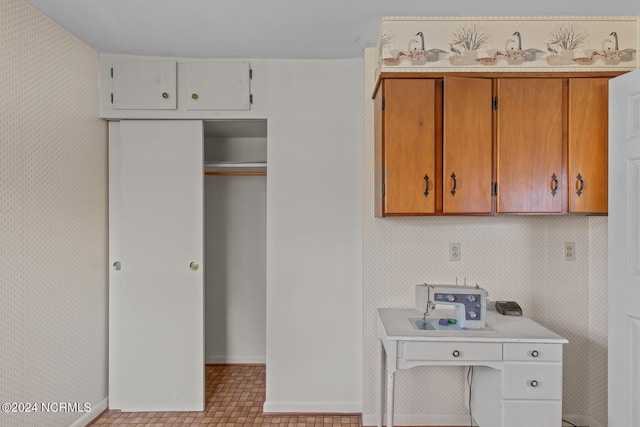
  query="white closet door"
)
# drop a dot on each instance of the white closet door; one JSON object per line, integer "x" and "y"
{"x": 624, "y": 250}
{"x": 156, "y": 321}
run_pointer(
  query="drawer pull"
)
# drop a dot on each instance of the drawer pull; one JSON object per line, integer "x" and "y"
{"x": 535, "y": 353}
{"x": 455, "y": 184}
{"x": 426, "y": 185}
{"x": 534, "y": 383}
{"x": 554, "y": 188}
{"x": 579, "y": 184}
{"x": 455, "y": 353}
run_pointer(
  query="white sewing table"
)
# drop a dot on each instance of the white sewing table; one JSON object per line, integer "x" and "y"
{"x": 517, "y": 377}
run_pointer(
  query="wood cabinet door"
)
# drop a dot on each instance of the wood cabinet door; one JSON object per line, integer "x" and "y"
{"x": 467, "y": 148}
{"x": 530, "y": 144}
{"x": 588, "y": 145}
{"x": 407, "y": 147}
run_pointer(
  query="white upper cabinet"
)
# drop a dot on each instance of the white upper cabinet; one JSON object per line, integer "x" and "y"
{"x": 139, "y": 87}
{"x": 218, "y": 85}
{"x": 143, "y": 85}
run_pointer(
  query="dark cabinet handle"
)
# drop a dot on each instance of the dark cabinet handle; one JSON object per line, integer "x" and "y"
{"x": 534, "y": 383}
{"x": 554, "y": 188}
{"x": 579, "y": 184}
{"x": 455, "y": 353}
{"x": 426, "y": 183}
{"x": 455, "y": 184}
{"x": 534, "y": 353}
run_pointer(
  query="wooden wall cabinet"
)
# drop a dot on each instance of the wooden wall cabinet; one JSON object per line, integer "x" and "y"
{"x": 588, "y": 145}
{"x": 467, "y": 146}
{"x": 530, "y": 138}
{"x": 408, "y": 145}
{"x": 487, "y": 144}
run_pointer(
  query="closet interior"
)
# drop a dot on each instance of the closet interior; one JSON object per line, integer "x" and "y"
{"x": 235, "y": 201}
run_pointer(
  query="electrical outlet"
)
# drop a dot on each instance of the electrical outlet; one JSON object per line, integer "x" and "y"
{"x": 454, "y": 252}
{"x": 569, "y": 251}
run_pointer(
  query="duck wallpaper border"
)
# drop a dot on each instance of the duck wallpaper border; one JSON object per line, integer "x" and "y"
{"x": 508, "y": 43}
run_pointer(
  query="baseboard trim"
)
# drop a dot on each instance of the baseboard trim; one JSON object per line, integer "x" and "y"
{"x": 580, "y": 420}
{"x": 419, "y": 420}
{"x": 235, "y": 364}
{"x": 212, "y": 359}
{"x": 350, "y": 408}
{"x": 461, "y": 420}
{"x": 311, "y": 414}
{"x": 96, "y": 411}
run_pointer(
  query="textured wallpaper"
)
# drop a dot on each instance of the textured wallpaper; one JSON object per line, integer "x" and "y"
{"x": 514, "y": 257}
{"x": 598, "y": 325}
{"x": 53, "y": 221}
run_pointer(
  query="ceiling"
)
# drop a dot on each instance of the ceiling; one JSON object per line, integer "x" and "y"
{"x": 296, "y": 29}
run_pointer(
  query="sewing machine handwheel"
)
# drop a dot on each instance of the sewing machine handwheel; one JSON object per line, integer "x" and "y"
{"x": 455, "y": 353}
{"x": 534, "y": 383}
{"x": 534, "y": 353}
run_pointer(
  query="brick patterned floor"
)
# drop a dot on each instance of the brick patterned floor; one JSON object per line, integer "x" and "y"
{"x": 234, "y": 397}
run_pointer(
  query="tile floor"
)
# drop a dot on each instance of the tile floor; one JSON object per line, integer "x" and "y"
{"x": 234, "y": 398}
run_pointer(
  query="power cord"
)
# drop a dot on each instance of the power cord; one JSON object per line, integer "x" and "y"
{"x": 569, "y": 422}
{"x": 470, "y": 382}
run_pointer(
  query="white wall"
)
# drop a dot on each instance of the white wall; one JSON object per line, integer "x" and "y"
{"x": 314, "y": 236}
{"x": 598, "y": 319}
{"x": 53, "y": 220}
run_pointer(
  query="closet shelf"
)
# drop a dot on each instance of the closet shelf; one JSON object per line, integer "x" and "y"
{"x": 228, "y": 164}
{"x": 236, "y": 173}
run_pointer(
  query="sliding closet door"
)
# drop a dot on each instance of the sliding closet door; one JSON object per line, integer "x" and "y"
{"x": 156, "y": 278}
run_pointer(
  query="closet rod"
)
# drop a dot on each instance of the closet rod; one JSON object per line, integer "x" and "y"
{"x": 236, "y": 173}
{"x": 222, "y": 164}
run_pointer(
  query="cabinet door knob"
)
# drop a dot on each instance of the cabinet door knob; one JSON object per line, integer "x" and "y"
{"x": 554, "y": 185}
{"x": 455, "y": 353}
{"x": 534, "y": 383}
{"x": 534, "y": 353}
{"x": 165, "y": 95}
{"x": 579, "y": 184}
{"x": 194, "y": 96}
{"x": 117, "y": 266}
{"x": 194, "y": 266}
{"x": 455, "y": 184}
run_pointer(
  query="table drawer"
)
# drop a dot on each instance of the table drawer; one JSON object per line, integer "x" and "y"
{"x": 451, "y": 351}
{"x": 532, "y": 413}
{"x": 532, "y": 381}
{"x": 533, "y": 352}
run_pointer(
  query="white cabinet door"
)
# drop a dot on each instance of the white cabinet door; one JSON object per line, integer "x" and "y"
{"x": 624, "y": 250}
{"x": 144, "y": 85}
{"x": 156, "y": 338}
{"x": 532, "y": 413}
{"x": 218, "y": 85}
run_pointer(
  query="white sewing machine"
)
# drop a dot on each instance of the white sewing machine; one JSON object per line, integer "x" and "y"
{"x": 469, "y": 302}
